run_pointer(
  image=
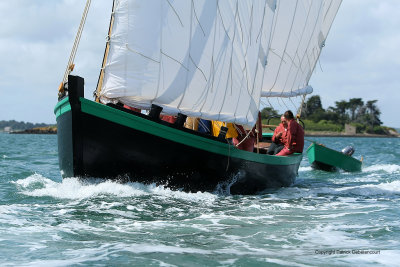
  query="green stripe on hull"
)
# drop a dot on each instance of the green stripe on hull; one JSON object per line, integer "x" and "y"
{"x": 151, "y": 127}
{"x": 62, "y": 107}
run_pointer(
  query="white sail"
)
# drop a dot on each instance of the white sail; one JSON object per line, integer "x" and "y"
{"x": 212, "y": 59}
{"x": 299, "y": 33}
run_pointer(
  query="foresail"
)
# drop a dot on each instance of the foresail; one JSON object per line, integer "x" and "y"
{"x": 212, "y": 59}
{"x": 299, "y": 33}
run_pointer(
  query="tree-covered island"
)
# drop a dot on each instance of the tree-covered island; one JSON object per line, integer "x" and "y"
{"x": 363, "y": 116}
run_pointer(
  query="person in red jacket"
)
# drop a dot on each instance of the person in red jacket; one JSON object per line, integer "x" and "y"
{"x": 294, "y": 139}
{"x": 278, "y": 138}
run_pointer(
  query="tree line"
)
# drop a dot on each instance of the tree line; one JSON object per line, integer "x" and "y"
{"x": 364, "y": 115}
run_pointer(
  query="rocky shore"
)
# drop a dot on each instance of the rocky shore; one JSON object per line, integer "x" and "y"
{"x": 38, "y": 130}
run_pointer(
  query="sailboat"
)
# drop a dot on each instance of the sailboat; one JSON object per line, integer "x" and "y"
{"x": 205, "y": 59}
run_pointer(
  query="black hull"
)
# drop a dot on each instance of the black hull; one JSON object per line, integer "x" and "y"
{"x": 92, "y": 143}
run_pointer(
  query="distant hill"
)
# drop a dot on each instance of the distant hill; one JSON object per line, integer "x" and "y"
{"x": 13, "y": 125}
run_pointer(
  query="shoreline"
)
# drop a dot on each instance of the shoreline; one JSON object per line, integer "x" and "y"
{"x": 53, "y": 130}
{"x": 40, "y": 130}
{"x": 362, "y": 135}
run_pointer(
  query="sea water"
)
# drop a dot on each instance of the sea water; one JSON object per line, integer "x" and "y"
{"x": 333, "y": 219}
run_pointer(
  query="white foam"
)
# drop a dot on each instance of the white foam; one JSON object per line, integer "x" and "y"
{"x": 201, "y": 198}
{"x": 174, "y": 210}
{"x": 62, "y": 212}
{"x": 370, "y": 189}
{"x": 255, "y": 206}
{"x": 11, "y": 214}
{"x": 383, "y": 258}
{"x": 305, "y": 169}
{"x": 75, "y": 257}
{"x": 34, "y": 246}
{"x": 370, "y": 178}
{"x": 73, "y": 188}
{"x": 330, "y": 236}
{"x": 389, "y": 168}
{"x": 153, "y": 248}
{"x": 285, "y": 262}
{"x": 228, "y": 262}
{"x": 389, "y": 188}
{"x": 295, "y": 193}
{"x": 34, "y": 180}
{"x": 135, "y": 208}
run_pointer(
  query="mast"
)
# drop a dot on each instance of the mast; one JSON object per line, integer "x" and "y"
{"x": 106, "y": 51}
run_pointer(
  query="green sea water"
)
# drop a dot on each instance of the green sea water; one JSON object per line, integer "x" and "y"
{"x": 324, "y": 219}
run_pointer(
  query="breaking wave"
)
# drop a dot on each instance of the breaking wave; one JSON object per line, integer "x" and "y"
{"x": 72, "y": 188}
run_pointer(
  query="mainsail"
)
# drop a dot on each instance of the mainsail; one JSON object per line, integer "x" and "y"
{"x": 213, "y": 59}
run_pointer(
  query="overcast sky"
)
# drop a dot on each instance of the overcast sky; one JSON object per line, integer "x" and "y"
{"x": 361, "y": 57}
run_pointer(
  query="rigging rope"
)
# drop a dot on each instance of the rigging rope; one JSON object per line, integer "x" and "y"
{"x": 301, "y": 107}
{"x": 71, "y": 65}
{"x": 247, "y": 136}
